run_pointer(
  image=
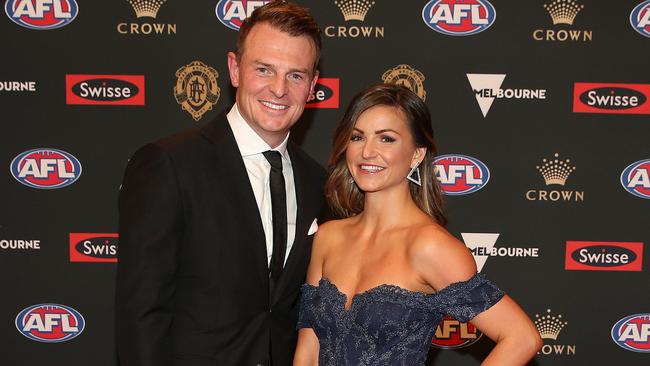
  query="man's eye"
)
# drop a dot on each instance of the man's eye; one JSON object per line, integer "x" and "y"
{"x": 296, "y": 77}
{"x": 262, "y": 70}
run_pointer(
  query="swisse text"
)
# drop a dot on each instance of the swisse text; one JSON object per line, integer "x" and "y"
{"x": 98, "y": 90}
{"x": 612, "y": 98}
{"x": 604, "y": 256}
{"x": 97, "y": 248}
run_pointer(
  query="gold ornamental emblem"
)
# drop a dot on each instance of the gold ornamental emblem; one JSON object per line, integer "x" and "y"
{"x": 196, "y": 88}
{"x": 408, "y": 77}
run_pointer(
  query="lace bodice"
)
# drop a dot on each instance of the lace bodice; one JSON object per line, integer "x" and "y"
{"x": 387, "y": 325}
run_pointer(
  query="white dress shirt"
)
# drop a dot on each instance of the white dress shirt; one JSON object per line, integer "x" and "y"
{"x": 251, "y": 146}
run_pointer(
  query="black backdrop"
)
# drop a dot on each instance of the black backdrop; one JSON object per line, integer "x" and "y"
{"x": 44, "y": 232}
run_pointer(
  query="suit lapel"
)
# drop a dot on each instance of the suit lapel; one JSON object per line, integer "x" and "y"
{"x": 232, "y": 172}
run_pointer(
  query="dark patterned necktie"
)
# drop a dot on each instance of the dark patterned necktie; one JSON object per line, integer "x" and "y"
{"x": 279, "y": 212}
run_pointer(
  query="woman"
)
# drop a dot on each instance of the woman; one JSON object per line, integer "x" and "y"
{"x": 381, "y": 279}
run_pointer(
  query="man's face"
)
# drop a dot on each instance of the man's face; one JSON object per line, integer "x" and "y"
{"x": 274, "y": 78}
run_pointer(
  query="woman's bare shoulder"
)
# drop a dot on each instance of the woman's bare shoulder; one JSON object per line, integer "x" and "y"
{"x": 438, "y": 257}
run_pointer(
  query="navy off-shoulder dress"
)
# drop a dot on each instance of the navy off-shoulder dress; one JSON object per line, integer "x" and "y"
{"x": 387, "y": 325}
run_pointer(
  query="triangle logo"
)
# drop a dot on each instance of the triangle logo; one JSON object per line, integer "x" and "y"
{"x": 480, "y": 82}
{"x": 483, "y": 241}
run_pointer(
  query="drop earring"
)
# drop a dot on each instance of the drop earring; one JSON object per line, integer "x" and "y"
{"x": 414, "y": 175}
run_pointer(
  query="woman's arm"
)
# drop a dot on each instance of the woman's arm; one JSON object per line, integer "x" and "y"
{"x": 441, "y": 260}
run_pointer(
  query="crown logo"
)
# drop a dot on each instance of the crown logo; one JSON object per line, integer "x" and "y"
{"x": 146, "y": 8}
{"x": 549, "y": 326}
{"x": 555, "y": 171}
{"x": 563, "y": 11}
{"x": 354, "y": 9}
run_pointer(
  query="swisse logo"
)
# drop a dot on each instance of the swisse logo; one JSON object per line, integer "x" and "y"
{"x": 611, "y": 98}
{"x": 460, "y": 174}
{"x": 459, "y": 18}
{"x": 45, "y": 168}
{"x": 50, "y": 323}
{"x": 354, "y": 11}
{"x": 640, "y": 18}
{"x": 105, "y": 89}
{"x": 89, "y": 247}
{"x": 633, "y": 333}
{"x": 636, "y": 178}
{"x": 326, "y": 94}
{"x": 232, "y": 13}
{"x": 604, "y": 256}
{"x": 452, "y": 334}
{"x": 41, "y": 14}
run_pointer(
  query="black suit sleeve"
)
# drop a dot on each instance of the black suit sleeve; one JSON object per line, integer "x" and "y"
{"x": 151, "y": 229}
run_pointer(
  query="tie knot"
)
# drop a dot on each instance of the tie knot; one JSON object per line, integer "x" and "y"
{"x": 274, "y": 158}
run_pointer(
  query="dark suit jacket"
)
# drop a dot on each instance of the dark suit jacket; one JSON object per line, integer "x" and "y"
{"x": 192, "y": 279}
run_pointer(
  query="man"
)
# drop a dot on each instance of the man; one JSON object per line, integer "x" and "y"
{"x": 210, "y": 263}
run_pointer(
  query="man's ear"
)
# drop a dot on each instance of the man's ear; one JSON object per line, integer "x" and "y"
{"x": 313, "y": 82}
{"x": 233, "y": 69}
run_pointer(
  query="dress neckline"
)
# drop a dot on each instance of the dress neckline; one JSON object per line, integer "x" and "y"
{"x": 383, "y": 288}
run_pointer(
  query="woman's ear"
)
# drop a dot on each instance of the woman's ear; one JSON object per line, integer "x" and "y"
{"x": 418, "y": 156}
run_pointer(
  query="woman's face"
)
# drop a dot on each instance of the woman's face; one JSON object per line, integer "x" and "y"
{"x": 381, "y": 150}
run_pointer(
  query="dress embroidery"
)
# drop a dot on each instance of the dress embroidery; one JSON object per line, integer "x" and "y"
{"x": 387, "y": 325}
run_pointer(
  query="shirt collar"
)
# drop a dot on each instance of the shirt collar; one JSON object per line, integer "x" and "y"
{"x": 248, "y": 141}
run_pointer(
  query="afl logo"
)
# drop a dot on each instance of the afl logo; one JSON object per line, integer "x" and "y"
{"x": 46, "y": 168}
{"x": 460, "y": 174}
{"x": 633, "y": 333}
{"x": 640, "y": 18}
{"x": 41, "y": 14}
{"x": 233, "y": 12}
{"x": 636, "y": 178}
{"x": 452, "y": 334}
{"x": 50, "y": 323}
{"x": 455, "y": 18}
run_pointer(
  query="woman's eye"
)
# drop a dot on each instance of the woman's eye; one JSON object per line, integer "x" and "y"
{"x": 387, "y": 139}
{"x": 355, "y": 138}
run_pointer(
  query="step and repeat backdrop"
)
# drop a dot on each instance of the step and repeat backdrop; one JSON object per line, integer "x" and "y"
{"x": 541, "y": 110}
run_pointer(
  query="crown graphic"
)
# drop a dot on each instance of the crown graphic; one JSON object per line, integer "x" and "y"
{"x": 555, "y": 171}
{"x": 563, "y": 11}
{"x": 146, "y": 8}
{"x": 354, "y": 9}
{"x": 549, "y": 326}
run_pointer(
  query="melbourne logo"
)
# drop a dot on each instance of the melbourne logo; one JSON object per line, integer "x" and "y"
{"x": 42, "y": 14}
{"x": 232, "y": 13}
{"x": 636, "y": 178}
{"x": 196, "y": 88}
{"x": 549, "y": 327}
{"x": 640, "y": 18}
{"x": 17, "y": 86}
{"x": 46, "y": 168}
{"x": 354, "y": 11}
{"x": 20, "y": 244}
{"x": 604, "y": 256}
{"x": 87, "y": 247}
{"x": 460, "y": 174}
{"x": 482, "y": 246}
{"x": 487, "y": 87}
{"x": 563, "y": 13}
{"x": 105, "y": 89}
{"x": 459, "y": 18}
{"x": 408, "y": 77}
{"x": 50, "y": 323}
{"x": 326, "y": 94}
{"x": 452, "y": 334}
{"x": 611, "y": 98}
{"x": 633, "y": 333}
{"x": 145, "y": 9}
{"x": 555, "y": 172}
